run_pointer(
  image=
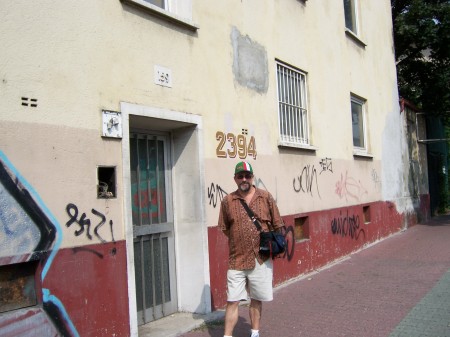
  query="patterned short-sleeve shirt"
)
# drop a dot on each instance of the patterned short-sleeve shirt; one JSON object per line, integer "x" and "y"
{"x": 243, "y": 237}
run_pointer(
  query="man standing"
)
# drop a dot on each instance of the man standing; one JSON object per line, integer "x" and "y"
{"x": 248, "y": 268}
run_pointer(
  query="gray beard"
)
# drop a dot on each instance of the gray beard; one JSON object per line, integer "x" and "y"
{"x": 245, "y": 187}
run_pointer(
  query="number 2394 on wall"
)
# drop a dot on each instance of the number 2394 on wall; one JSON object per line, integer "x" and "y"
{"x": 231, "y": 145}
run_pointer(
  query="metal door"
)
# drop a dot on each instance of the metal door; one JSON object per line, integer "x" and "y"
{"x": 153, "y": 229}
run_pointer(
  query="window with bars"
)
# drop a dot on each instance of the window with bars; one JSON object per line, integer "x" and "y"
{"x": 292, "y": 107}
{"x": 148, "y": 183}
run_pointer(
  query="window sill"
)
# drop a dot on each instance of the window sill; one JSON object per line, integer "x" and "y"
{"x": 359, "y": 154}
{"x": 163, "y": 14}
{"x": 302, "y": 240}
{"x": 306, "y": 147}
{"x": 355, "y": 38}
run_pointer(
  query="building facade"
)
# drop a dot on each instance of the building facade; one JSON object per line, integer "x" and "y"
{"x": 122, "y": 121}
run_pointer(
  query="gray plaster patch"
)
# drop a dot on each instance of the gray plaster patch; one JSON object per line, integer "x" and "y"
{"x": 19, "y": 234}
{"x": 250, "y": 67}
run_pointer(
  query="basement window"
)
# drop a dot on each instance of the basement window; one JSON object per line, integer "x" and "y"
{"x": 17, "y": 286}
{"x": 366, "y": 214}
{"x": 301, "y": 228}
{"x": 106, "y": 187}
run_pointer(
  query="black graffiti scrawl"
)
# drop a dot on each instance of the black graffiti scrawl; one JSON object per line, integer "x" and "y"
{"x": 347, "y": 225}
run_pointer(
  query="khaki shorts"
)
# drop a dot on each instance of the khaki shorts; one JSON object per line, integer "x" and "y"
{"x": 258, "y": 281}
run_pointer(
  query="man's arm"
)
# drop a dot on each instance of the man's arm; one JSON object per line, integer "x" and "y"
{"x": 223, "y": 218}
{"x": 277, "y": 220}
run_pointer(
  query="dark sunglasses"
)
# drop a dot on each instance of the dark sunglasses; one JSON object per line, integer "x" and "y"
{"x": 247, "y": 176}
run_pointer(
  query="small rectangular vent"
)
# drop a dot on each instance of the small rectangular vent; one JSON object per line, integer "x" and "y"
{"x": 31, "y": 102}
{"x": 366, "y": 214}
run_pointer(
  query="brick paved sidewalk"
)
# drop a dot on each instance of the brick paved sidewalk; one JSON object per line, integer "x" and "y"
{"x": 398, "y": 287}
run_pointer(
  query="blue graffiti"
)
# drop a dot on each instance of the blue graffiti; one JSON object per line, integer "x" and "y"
{"x": 21, "y": 204}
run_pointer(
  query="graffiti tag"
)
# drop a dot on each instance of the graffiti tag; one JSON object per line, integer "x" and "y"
{"x": 306, "y": 182}
{"x": 349, "y": 187}
{"x": 347, "y": 226}
{"x": 215, "y": 193}
{"x": 326, "y": 165}
{"x": 84, "y": 223}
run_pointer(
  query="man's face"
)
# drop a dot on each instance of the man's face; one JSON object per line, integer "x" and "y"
{"x": 244, "y": 181}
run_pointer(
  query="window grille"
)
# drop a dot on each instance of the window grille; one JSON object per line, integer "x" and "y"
{"x": 148, "y": 184}
{"x": 292, "y": 105}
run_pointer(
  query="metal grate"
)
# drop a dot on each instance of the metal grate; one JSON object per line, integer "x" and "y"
{"x": 292, "y": 105}
{"x": 153, "y": 242}
{"x": 147, "y": 180}
{"x": 152, "y": 275}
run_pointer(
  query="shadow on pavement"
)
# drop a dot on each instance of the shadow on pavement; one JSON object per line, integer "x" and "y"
{"x": 440, "y": 220}
{"x": 215, "y": 328}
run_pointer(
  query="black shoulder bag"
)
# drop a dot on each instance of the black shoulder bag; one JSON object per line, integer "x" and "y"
{"x": 270, "y": 243}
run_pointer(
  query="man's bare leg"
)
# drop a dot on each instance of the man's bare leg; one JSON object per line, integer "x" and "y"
{"x": 255, "y": 313}
{"x": 231, "y": 317}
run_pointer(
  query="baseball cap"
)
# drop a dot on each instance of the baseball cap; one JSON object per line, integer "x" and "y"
{"x": 243, "y": 166}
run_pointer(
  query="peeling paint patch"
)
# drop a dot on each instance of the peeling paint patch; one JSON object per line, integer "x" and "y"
{"x": 250, "y": 66}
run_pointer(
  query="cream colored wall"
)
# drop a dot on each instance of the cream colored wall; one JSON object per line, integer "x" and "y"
{"x": 77, "y": 58}
{"x": 336, "y": 66}
{"x": 316, "y": 43}
{"x": 61, "y": 163}
{"x": 82, "y": 56}
{"x": 300, "y": 185}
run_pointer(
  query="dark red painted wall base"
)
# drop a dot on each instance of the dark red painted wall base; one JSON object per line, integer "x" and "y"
{"x": 91, "y": 283}
{"x": 330, "y": 235}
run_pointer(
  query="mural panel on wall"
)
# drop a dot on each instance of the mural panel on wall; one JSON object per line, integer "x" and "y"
{"x": 28, "y": 232}
{"x": 74, "y": 291}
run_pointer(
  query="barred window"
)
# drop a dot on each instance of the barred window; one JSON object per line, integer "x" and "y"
{"x": 292, "y": 109}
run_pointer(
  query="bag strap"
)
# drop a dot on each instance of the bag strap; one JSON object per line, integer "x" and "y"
{"x": 251, "y": 215}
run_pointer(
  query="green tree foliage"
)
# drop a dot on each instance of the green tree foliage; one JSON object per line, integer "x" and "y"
{"x": 422, "y": 48}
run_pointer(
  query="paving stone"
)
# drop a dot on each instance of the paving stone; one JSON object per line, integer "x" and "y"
{"x": 399, "y": 287}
